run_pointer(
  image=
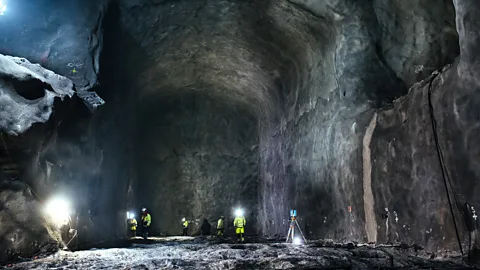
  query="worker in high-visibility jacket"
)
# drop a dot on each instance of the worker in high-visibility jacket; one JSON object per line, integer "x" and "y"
{"x": 146, "y": 222}
{"x": 185, "y": 227}
{"x": 220, "y": 227}
{"x": 239, "y": 224}
{"x": 133, "y": 226}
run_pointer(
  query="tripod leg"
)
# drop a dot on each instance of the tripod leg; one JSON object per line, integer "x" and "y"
{"x": 298, "y": 226}
{"x": 288, "y": 235}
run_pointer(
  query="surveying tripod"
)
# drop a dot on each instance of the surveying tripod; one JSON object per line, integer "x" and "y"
{"x": 291, "y": 230}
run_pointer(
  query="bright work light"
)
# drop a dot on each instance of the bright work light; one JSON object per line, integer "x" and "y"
{"x": 58, "y": 210}
{"x": 239, "y": 212}
{"x": 3, "y": 7}
{"x": 297, "y": 241}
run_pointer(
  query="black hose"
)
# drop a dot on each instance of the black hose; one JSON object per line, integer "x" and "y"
{"x": 440, "y": 158}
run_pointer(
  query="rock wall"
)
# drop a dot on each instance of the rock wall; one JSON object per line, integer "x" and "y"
{"x": 358, "y": 173}
{"x": 24, "y": 231}
{"x": 62, "y": 36}
{"x": 48, "y": 146}
{"x": 196, "y": 159}
{"x": 193, "y": 86}
{"x": 424, "y": 149}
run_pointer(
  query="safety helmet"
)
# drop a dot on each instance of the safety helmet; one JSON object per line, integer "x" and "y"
{"x": 144, "y": 209}
{"x": 222, "y": 217}
{"x": 183, "y": 219}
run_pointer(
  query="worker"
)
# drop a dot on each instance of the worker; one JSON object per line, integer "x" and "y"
{"x": 239, "y": 224}
{"x": 185, "y": 227}
{"x": 146, "y": 222}
{"x": 133, "y": 226}
{"x": 220, "y": 227}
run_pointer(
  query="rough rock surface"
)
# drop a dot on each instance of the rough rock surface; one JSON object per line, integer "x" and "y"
{"x": 201, "y": 255}
{"x": 196, "y": 159}
{"x": 24, "y": 232}
{"x": 63, "y": 36}
{"x": 322, "y": 160}
{"x": 27, "y": 93}
{"x": 325, "y": 88}
{"x": 430, "y": 133}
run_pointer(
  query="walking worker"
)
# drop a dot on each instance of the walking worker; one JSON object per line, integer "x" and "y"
{"x": 220, "y": 227}
{"x": 146, "y": 222}
{"x": 185, "y": 227}
{"x": 239, "y": 224}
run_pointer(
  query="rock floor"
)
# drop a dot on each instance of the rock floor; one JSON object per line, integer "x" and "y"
{"x": 191, "y": 253}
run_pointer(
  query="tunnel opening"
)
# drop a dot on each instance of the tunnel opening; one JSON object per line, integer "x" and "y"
{"x": 197, "y": 158}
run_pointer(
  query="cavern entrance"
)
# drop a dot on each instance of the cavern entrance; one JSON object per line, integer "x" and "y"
{"x": 196, "y": 158}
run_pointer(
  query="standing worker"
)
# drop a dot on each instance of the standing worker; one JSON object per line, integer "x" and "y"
{"x": 220, "y": 227}
{"x": 146, "y": 222}
{"x": 239, "y": 224}
{"x": 185, "y": 227}
{"x": 132, "y": 222}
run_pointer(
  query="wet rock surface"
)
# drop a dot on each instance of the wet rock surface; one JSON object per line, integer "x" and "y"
{"x": 201, "y": 254}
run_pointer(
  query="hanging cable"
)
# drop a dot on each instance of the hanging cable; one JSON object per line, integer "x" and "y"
{"x": 441, "y": 160}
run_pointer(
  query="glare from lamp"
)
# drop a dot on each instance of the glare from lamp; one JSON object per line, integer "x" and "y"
{"x": 297, "y": 241}
{"x": 239, "y": 212}
{"x": 3, "y": 8}
{"x": 58, "y": 210}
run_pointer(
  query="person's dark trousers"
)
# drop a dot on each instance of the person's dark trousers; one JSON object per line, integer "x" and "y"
{"x": 145, "y": 232}
{"x": 220, "y": 233}
{"x": 133, "y": 233}
{"x": 185, "y": 231}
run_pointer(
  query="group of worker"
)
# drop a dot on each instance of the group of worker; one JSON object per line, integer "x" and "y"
{"x": 146, "y": 220}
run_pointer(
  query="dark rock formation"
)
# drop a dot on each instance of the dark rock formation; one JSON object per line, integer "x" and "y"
{"x": 24, "y": 231}
{"x": 268, "y": 105}
{"x": 196, "y": 159}
{"x": 63, "y": 36}
{"x": 27, "y": 94}
{"x": 206, "y": 228}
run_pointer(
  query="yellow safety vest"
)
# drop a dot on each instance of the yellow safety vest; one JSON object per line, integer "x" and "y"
{"x": 133, "y": 224}
{"x": 239, "y": 222}
{"x": 185, "y": 224}
{"x": 147, "y": 219}
{"x": 220, "y": 224}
